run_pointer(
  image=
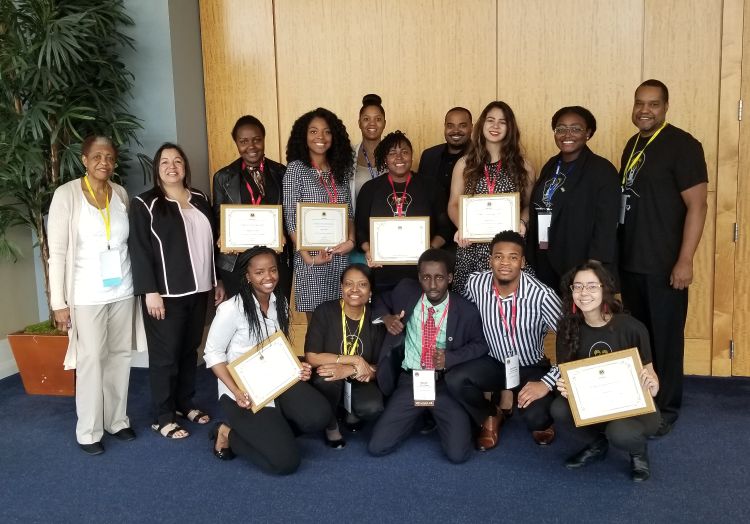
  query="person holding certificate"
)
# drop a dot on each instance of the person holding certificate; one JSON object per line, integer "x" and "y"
{"x": 594, "y": 324}
{"x": 172, "y": 240}
{"x": 574, "y": 203}
{"x": 252, "y": 179}
{"x": 319, "y": 166}
{"x": 266, "y": 438}
{"x": 398, "y": 194}
{"x": 493, "y": 164}
{"x": 343, "y": 345}
{"x": 91, "y": 293}
{"x": 431, "y": 330}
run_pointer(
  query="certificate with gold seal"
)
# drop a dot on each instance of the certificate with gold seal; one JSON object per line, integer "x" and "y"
{"x": 321, "y": 226}
{"x": 245, "y": 226}
{"x": 606, "y": 387}
{"x": 481, "y": 217}
{"x": 398, "y": 240}
{"x": 266, "y": 371}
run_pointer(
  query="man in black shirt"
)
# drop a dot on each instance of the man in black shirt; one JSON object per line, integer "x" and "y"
{"x": 664, "y": 190}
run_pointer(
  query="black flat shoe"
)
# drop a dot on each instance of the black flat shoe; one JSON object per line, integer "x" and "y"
{"x": 664, "y": 428}
{"x": 595, "y": 451}
{"x": 126, "y": 434}
{"x": 336, "y": 444}
{"x": 92, "y": 449}
{"x": 354, "y": 427}
{"x": 639, "y": 466}
{"x": 223, "y": 453}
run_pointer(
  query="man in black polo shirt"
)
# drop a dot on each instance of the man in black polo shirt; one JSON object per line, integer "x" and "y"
{"x": 664, "y": 189}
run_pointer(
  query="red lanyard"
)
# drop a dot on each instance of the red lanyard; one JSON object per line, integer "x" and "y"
{"x": 399, "y": 201}
{"x": 513, "y": 311}
{"x": 437, "y": 327}
{"x": 333, "y": 194}
{"x": 253, "y": 200}
{"x": 491, "y": 183}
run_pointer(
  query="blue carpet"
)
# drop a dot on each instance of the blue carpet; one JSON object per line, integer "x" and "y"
{"x": 700, "y": 472}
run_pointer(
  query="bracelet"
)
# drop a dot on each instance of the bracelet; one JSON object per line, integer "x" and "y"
{"x": 313, "y": 261}
{"x": 525, "y": 223}
{"x": 338, "y": 358}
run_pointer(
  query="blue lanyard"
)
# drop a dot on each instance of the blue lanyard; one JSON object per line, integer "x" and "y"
{"x": 373, "y": 172}
{"x": 551, "y": 186}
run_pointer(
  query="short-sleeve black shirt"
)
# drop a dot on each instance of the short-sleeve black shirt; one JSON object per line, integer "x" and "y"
{"x": 621, "y": 332}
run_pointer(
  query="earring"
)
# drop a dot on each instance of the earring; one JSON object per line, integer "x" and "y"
{"x": 369, "y": 299}
{"x": 574, "y": 308}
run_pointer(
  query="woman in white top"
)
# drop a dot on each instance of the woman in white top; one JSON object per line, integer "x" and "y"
{"x": 91, "y": 292}
{"x": 266, "y": 438}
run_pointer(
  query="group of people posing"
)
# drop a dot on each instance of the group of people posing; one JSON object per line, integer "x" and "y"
{"x": 474, "y": 314}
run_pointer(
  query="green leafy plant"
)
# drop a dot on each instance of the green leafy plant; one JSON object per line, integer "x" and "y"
{"x": 61, "y": 79}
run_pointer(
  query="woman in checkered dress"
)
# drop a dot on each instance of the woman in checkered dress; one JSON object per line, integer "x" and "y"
{"x": 493, "y": 164}
{"x": 319, "y": 166}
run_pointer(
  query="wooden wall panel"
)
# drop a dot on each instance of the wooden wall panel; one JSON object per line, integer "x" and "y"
{"x": 690, "y": 67}
{"x": 726, "y": 187}
{"x": 580, "y": 52}
{"x": 420, "y": 57}
{"x": 697, "y": 356}
{"x": 239, "y": 69}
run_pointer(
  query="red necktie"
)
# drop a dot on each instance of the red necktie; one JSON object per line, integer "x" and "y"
{"x": 429, "y": 339}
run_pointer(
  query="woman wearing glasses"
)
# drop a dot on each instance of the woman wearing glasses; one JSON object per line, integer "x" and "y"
{"x": 574, "y": 203}
{"x": 593, "y": 323}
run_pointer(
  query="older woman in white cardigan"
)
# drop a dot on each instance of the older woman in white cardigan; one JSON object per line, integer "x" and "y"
{"x": 91, "y": 293}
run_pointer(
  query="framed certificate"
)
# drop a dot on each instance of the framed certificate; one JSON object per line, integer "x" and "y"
{"x": 398, "y": 240}
{"x": 245, "y": 226}
{"x": 320, "y": 226}
{"x": 267, "y": 370}
{"x": 606, "y": 387}
{"x": 481, "y": 217}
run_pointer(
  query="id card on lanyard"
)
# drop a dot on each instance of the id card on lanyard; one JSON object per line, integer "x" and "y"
{"x": 424, "y": 387}
{"x": 511, "y": 363}
{"x": 110, "y": 268}
{"x": 628, "y": 174}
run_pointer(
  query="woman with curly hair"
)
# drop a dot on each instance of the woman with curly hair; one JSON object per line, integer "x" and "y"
{"x": 494, "y": 163}
{"x": 594, "y": 324}
{"x": 398, "y": 193}
{"x": 319, "y": 167}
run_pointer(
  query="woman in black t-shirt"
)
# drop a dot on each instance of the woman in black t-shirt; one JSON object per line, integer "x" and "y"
{"x": 343, "y": 346}
{"x": 398, "y": 193}
{"x": 594, "y": 324}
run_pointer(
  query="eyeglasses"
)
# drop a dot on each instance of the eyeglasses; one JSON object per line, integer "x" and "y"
{"x": 573, "y": 130}
{"x": 590, "y": 287}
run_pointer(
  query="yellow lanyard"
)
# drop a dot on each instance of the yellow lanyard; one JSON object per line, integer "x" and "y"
{"x": 350, "y": 351}
{"x": 106, "y": 219}
{"x": 633, "y": 161}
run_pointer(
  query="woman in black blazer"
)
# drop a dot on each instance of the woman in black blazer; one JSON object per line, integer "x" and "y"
{"x": 171, "y": 244}
{"x": 251, "y": 179}
{"x": 574, "y": 204}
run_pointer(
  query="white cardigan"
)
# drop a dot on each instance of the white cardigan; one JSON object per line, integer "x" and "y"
{"x": 62, "y": 238}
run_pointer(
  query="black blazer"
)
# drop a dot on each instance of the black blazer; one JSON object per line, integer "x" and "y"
{"x": 159, "y": 253}
{"x": 226, "y": 190}
{"x": 464, "y": 336}
{"x": 584, "y": 216}
{"x": 429, "y": 166}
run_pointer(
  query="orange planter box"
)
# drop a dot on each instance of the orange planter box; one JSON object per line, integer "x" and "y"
{"x": 40, "y": 362}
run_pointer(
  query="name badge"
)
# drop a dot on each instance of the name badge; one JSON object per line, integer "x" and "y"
{"x": 623, "y": 206}
{"x": 544, "y": 220}
{"x": 424, "y": 387}
{"x": 512, "y": 372}
{"x": 348, "y": 396}
{"x": 110, "y": 267}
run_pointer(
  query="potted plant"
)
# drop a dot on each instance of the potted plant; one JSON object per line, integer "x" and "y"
{"x": 61, "y": 79}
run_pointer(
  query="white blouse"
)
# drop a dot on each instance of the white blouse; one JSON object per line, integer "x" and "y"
{"x": 88, "y": 287}
{"x": 201, "y": 246}
{"x": 229, "y": 335}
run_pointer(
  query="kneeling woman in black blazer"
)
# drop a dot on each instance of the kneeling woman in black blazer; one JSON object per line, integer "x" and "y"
{"x": 343, "y": 345}
{"x": 241, "y": 323}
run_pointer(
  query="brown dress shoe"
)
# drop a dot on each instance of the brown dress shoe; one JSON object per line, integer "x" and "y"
{"x": 544, "y": 437}
{"x": 489, "y": 433}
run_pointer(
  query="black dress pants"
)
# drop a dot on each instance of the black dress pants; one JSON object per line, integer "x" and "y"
{"x": 267, "y": 438}
{"x": 663, "y": 310}
{"x": 629, "y": 434}
{"x": 401, "y": 415}
{"x": 172, "y": 353}
{"x": 367, "y": 400}
{"x": 468, "y": 382}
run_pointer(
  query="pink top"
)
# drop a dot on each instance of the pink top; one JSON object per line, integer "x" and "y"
{"x": 201, "y": 246}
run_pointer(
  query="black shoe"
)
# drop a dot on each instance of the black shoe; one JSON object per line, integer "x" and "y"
{"x": 354, "y": 427}
{"x": 428, "y": 425}
{"x": 223, "y": 453}
{"x": 126, "y": 434}
{"x": 664, "y": 428}
{"x": 339, "y": 443}
{"x": 92, "y": 449}
{"x": 639, "y": 466}
{"x": 597, "y": 450}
